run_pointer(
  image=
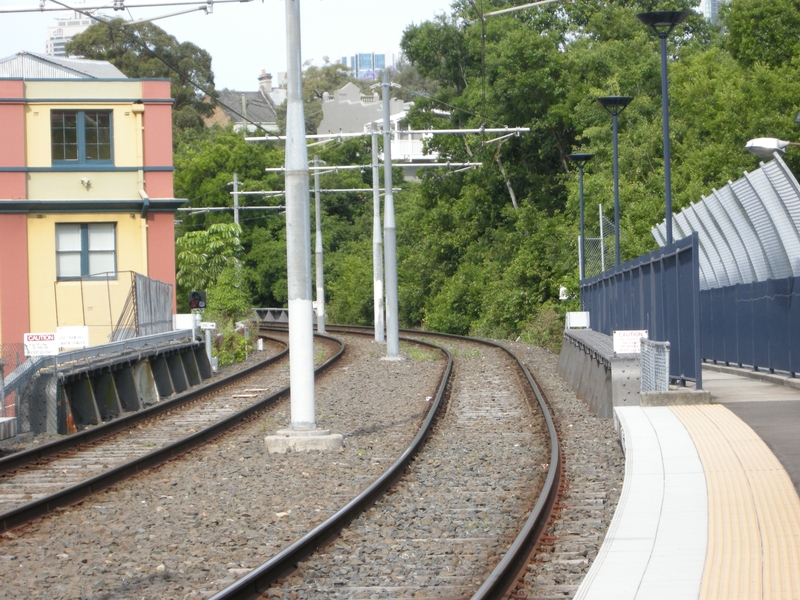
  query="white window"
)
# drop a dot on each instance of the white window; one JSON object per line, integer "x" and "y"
{"x": 86, "y": 249}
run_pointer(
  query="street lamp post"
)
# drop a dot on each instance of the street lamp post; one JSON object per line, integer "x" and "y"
{"x": 662, "y": 22}
{"x": 581, "y": 159}
{"x": 615, "y": 105}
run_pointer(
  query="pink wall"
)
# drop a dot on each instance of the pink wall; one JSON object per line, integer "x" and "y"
{"x": 158, "y": 184}
{"x": 157, "y": 125}
{"x": 161, "y": 249}
{"x": 12, "y": 148}
{"x": 14, "y": 313}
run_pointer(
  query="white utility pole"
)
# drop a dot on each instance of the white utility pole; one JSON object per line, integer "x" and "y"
{"x": 298, "y": 235}
{"x": 236, "y": 198}
{"x": 377, "y": 241}
{"x": 303, "y": 433}
{"x": 320, "y": 274}
{"x": 389, "y": 230}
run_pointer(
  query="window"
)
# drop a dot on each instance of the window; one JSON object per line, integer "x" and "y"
{"x": 80, "y": 136}
{"x": 86, "y": 249}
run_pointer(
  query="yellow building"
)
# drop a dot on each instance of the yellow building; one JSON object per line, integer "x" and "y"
{"x": 86, "y": 193}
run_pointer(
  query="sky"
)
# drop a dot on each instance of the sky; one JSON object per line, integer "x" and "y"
{"x": 244, "y": 38}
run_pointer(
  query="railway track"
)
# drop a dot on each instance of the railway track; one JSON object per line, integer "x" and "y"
{"x": 36, "y": 482}
{"x": 466, "y": 514}
{"x": 178, "y": 531}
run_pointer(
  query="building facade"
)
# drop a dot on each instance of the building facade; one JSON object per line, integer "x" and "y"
{"x": 85, "y": 193}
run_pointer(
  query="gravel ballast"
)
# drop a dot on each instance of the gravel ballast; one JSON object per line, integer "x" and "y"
{"x": 193, "y": 526}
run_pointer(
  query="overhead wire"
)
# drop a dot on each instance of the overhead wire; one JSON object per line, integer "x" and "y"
{"x": 136, "y": 39}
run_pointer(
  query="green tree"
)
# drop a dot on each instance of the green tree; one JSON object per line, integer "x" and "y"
{"x": 762, "y": 31}
{"x": 203, "y": 255}
{"x": 146, "y": 50}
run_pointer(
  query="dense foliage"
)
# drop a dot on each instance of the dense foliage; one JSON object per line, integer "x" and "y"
{"x": 486, "y": 251}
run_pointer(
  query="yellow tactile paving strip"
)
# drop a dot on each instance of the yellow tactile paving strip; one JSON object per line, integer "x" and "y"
{"x": 753, "y": 510}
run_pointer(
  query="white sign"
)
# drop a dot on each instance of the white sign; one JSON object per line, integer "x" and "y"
{"x": 626, "y": 341}
{"x": 207, "y": 325}
{"x": 577, "y": 320}
{"x": 40, "y": 344}
{"x": 72, "y": 337}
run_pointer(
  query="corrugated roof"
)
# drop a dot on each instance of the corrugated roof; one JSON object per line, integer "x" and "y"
{"x": 30, "y": 65}
{"x": 748, "y": 231}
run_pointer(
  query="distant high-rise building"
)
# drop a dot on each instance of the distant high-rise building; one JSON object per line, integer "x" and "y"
{"x": 365, "y": 65}
{"x": 710, "y": 10}
{"x": 67, "y": 28}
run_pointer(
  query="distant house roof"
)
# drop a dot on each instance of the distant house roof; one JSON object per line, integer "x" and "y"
{"x": 258, "y": 107}
{"x": 29, "y": 65}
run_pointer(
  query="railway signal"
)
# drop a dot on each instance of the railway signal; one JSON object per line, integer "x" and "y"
{"x": 197, "y": 300}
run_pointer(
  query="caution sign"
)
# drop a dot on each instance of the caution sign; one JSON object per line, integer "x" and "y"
{"x": 40, "y": 344}
{"x": 626, "y": 341}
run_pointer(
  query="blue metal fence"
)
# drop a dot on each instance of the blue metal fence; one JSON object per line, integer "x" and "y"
{"x": 659, "y": 292}
{"x": 753, "y": 324}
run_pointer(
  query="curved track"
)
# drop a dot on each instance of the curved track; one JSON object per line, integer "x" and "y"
{"x": 452, "y": 514}
{"x": 37, "y": 482}
{"x": 488, "y": 511}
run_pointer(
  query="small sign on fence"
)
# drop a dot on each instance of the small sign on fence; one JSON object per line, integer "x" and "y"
{"x": 626, "y": 341}
{"x": 72, "y": 337}
{"x": 40, "y": 344}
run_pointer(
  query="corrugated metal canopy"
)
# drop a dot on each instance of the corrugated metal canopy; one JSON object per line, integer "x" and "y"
{"x": 748, "y": 231}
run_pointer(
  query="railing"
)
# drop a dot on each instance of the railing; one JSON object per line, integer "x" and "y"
{"x": 658, "y": 292}
{"x": 753, "y": 324}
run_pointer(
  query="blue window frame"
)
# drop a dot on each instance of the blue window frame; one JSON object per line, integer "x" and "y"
{"x": 81, "y": 137}
{"x": 86, "y": 249}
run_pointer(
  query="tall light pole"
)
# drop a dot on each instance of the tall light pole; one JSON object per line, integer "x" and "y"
{"x": 581, "y": 159}
{"x": 662, "y": 23}
{"x": 615, "y": 105}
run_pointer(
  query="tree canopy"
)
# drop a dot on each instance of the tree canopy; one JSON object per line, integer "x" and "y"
{"x": 486, "y": 251}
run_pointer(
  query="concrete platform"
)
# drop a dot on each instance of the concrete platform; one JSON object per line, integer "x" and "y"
{"x": 707, "y": 509}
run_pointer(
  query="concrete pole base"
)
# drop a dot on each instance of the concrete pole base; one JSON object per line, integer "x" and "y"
{"x": 393, "y": 358}
{"x": 303, "y": 440}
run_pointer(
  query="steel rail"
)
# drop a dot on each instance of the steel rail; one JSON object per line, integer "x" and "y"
{"x": 259, "y": 580}
{"x": 504, "y": 577}
{"x": 88, "y": 436}
{"x": 79, "y": 491}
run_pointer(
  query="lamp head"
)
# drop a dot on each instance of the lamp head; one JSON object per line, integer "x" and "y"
{"x": 580, "y": 158}
{"x": 614, "y": 104}
{"x": 663, "y": 22}
{"x": 767, "y": 147}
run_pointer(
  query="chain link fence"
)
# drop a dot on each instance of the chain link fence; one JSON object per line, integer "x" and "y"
{"x": 600, "y": 250}
{"x": 654, "y": 365}
{"x": 30, "y": 390}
